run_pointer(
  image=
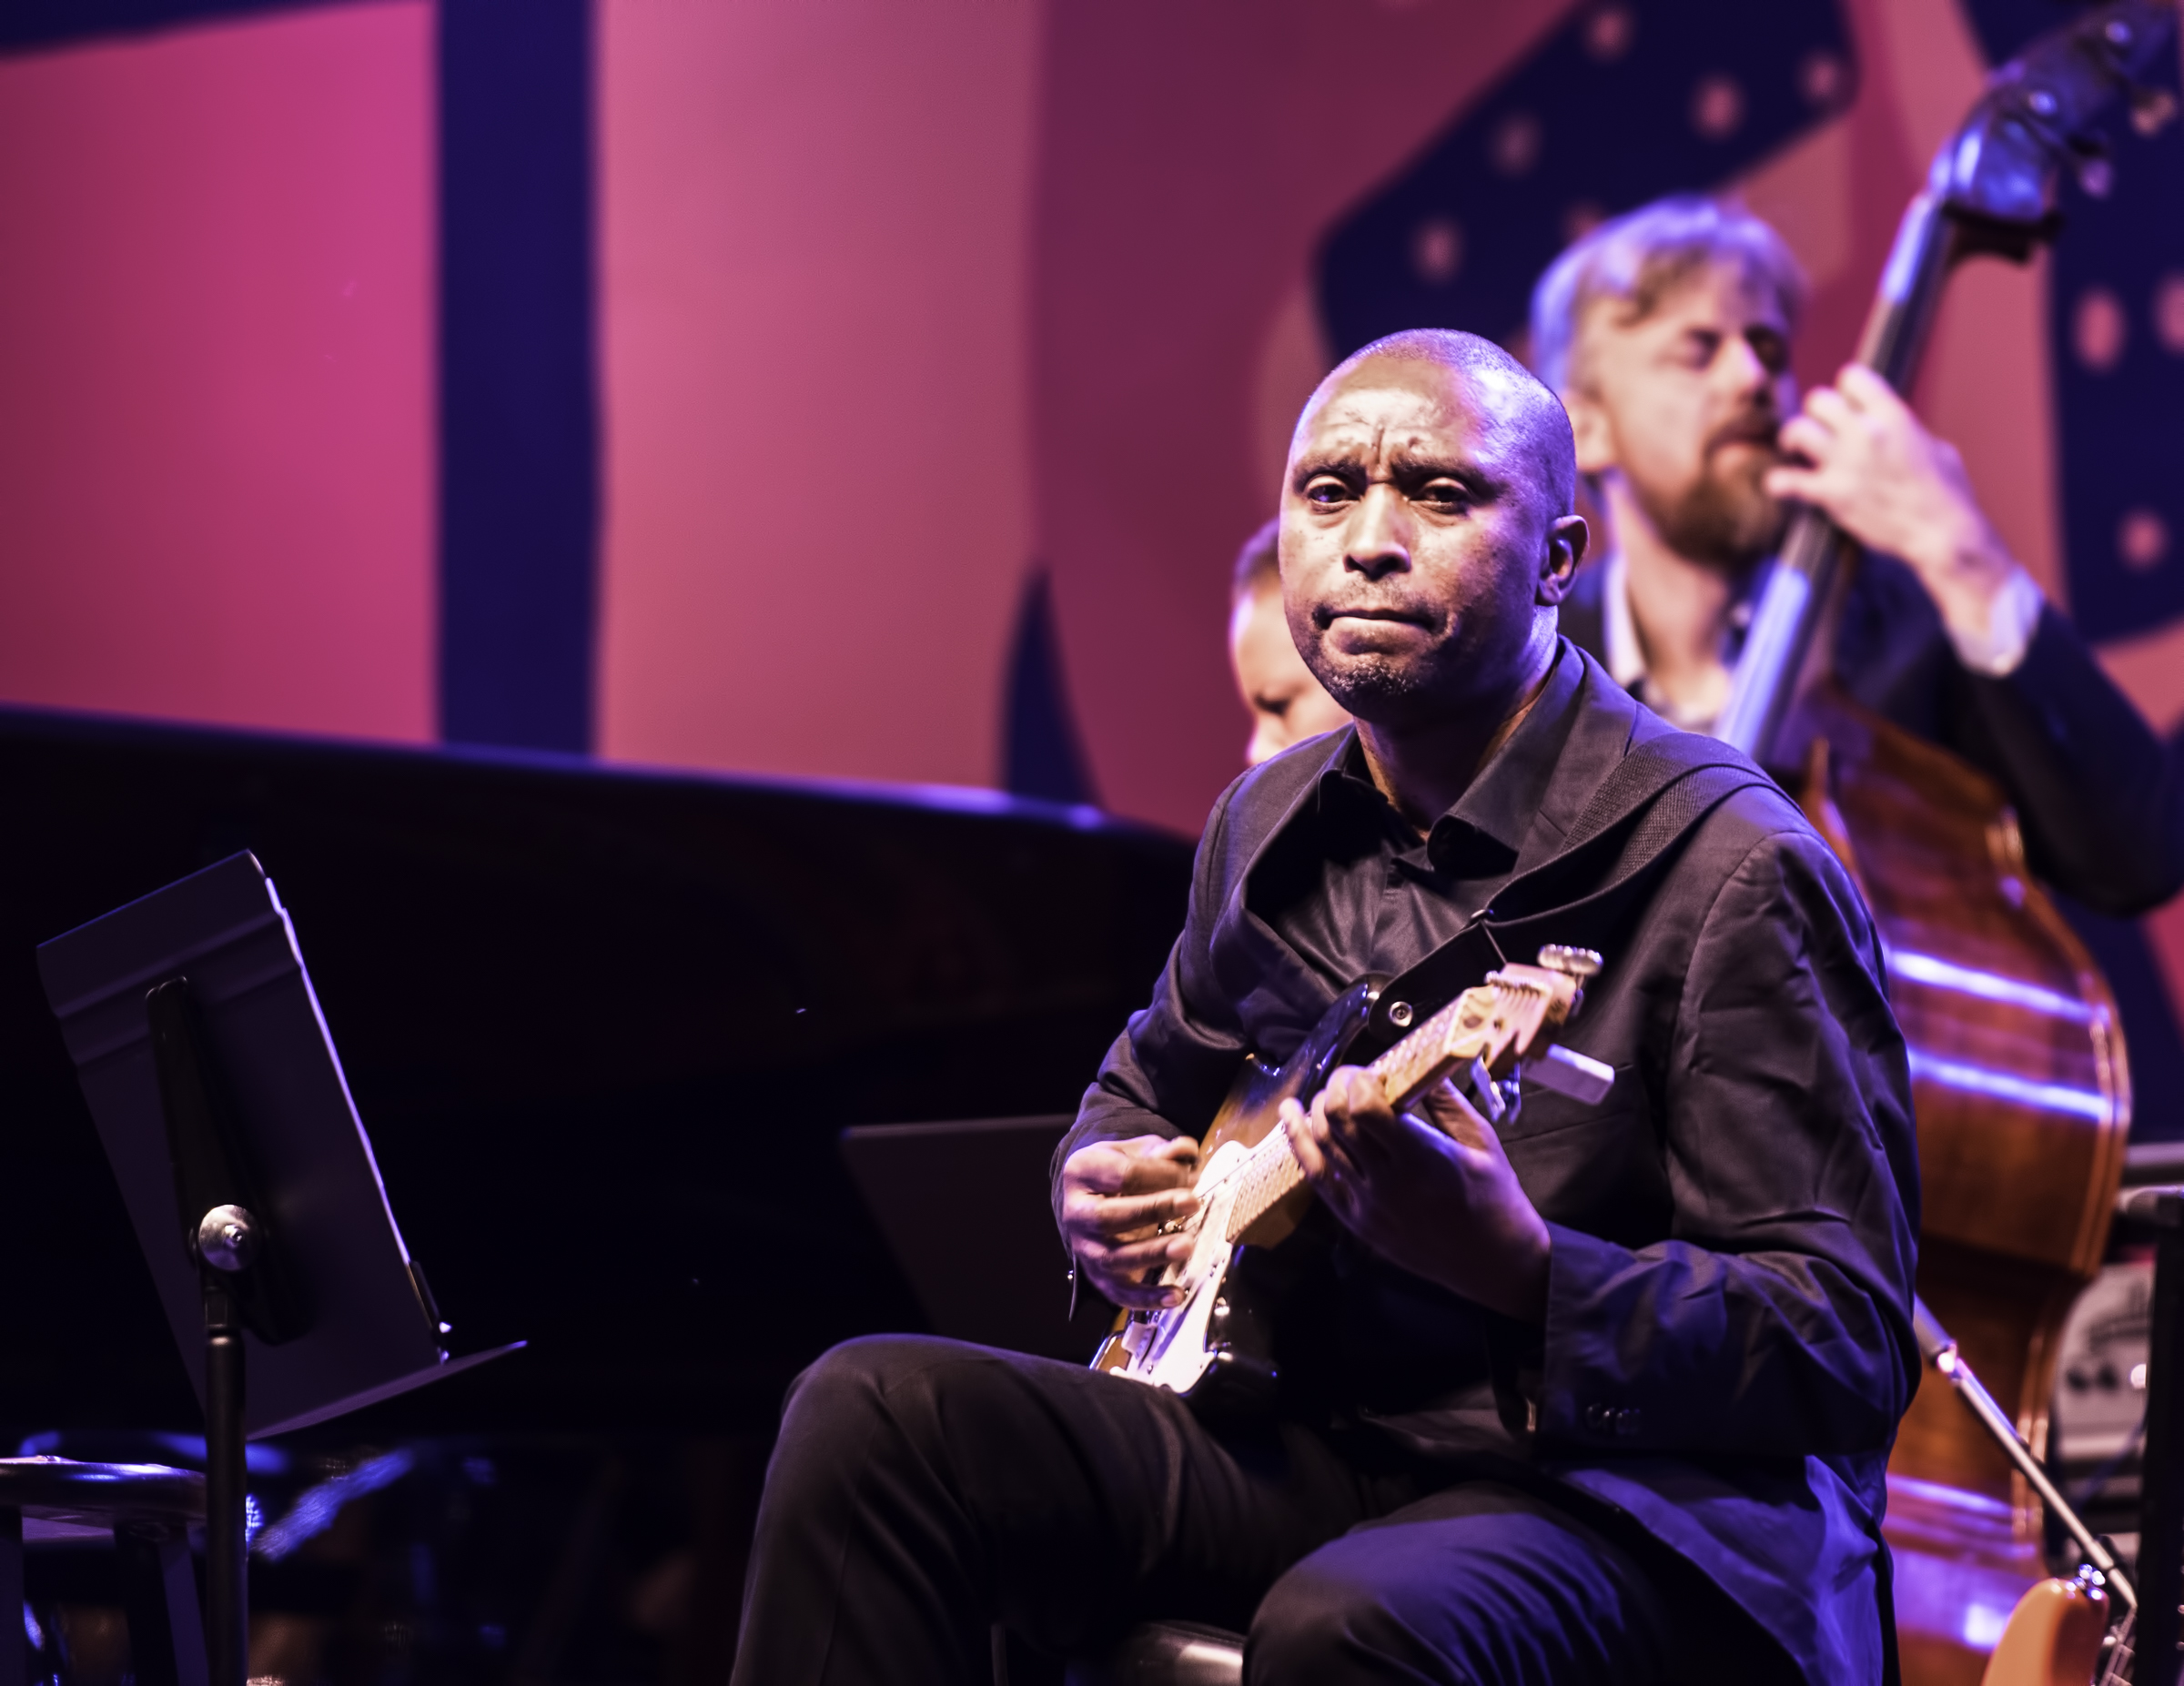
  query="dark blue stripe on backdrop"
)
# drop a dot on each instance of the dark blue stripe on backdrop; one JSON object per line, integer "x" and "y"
{"x": 1041, "y": 754}
{"x": 1627, "y": 100}
{"x": 2116, "y": 326}
{"x": 519, "y": 501}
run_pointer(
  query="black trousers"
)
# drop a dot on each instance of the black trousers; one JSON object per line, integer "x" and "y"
{"x": 924, "y": 1489}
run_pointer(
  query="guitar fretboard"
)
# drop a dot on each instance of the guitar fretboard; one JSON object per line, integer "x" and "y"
{"x": 1477, "y": 1023}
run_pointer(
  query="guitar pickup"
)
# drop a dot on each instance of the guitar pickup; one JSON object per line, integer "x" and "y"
{"x": 1577, "y": 1076}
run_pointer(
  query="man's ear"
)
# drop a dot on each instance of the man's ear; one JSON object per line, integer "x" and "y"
{"x": 1595, "y": 436}
{"x": 1567, "y": 537}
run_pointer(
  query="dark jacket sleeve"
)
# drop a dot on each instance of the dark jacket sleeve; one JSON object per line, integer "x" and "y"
{"x": 2097, "y": 794}
{"x": 1776, "y": 1318}
{"x": 1169, "y": 1069}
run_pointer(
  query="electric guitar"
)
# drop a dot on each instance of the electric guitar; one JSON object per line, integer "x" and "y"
{"x": 1215, "y": 1347}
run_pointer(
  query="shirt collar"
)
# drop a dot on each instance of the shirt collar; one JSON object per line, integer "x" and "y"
{"x": 1491, "y": 820}
{"x": 1619, "y": 630}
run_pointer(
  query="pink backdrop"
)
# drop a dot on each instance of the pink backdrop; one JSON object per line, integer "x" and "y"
{"x": 896, "y": 305}
{"x": 215, "y": 436}
{"x": 813, "y": 259}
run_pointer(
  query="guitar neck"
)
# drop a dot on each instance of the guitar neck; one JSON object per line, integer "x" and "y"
{"x": 1455, "y": 1036}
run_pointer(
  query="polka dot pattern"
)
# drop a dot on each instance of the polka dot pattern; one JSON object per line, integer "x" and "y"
{"x": 2142, "y": 540}
{"x": 1608, "y": 32}
{"x": 2168, "y": 313}
{"x": 2098, "y": 329}
{"x": 1822, "y": 78}
{"x": 1618, "y": 102}
{"x": 1437, "y": 251}
{"x": 1717, "y": 107}
{"x": 1515, "y": 146}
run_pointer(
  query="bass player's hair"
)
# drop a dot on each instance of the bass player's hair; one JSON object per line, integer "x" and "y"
{"x": 1636, "y": 258}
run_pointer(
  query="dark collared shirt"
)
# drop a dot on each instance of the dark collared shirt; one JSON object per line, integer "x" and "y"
{"x": 1350, "y": 887}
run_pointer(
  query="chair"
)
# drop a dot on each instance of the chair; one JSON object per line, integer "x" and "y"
{"x": 1165, "y": 1654}
{"x": 148, "y": 1508}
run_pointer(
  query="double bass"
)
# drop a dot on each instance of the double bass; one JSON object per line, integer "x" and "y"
{"x": 2019, "y": 1080}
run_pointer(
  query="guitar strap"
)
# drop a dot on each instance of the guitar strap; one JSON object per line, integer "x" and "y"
{"x": 1638, "y": 815}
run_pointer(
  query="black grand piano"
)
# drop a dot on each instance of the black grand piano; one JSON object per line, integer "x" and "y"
{"x": 604, "y": 1025}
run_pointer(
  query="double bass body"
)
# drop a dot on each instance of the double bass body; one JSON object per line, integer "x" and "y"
{"x": 2023, "y": 1101}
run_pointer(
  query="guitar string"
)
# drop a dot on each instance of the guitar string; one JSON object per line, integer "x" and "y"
{"x": 1270, "y": 1171}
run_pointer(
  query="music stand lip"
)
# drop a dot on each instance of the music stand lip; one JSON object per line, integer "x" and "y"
{"x": 388, "y": 1390}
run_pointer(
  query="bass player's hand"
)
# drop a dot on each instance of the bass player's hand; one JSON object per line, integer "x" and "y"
{"x": 1115, "y": 1196}
{"x": 1862, "y": 458}
{"x": 1435, "y": 1194}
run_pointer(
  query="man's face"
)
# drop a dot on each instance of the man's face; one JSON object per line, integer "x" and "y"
{"x": 1416, "y": 548}
{"x": 1288, "y": 704}
{"x": 1684, "y": 404}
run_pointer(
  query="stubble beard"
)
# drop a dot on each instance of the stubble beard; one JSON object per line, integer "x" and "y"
{"x": 1369, "y": 685}
{"x": 1724, "y": 519}
{"x": 1373, "y": 688}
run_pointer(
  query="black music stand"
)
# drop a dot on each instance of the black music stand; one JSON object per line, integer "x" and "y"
{"x": 250, "y": 1181}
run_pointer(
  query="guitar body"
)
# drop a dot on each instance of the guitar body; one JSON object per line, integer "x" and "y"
{"x": 1216, "y": 1348}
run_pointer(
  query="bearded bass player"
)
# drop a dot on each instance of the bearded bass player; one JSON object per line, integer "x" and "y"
{"x": 1606, "y": 1398}
{"x": 1667, "y": 333}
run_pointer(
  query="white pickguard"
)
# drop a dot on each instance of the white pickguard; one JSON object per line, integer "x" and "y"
{"x": 1173, "y": 1348}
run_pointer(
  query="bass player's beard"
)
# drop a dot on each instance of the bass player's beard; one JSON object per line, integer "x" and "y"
{"x": 1724, "y": 519}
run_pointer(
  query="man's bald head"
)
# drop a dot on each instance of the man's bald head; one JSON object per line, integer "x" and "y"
{"x": 1427, "y": 532}
{"x": 1502, "y": 390}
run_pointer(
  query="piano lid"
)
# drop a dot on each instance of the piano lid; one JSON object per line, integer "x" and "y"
{"x": 603, "y": 1025}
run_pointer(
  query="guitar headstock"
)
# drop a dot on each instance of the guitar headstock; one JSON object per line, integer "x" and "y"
{"x": 1520, "y": 1009}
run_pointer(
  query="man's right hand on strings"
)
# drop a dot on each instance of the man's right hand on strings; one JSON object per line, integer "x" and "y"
{"x": 1115, "y": 1196}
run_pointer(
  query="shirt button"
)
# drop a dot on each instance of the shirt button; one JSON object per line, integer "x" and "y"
{"x": 1627, "y": 1420}
{"x": 1599, "y": 1418}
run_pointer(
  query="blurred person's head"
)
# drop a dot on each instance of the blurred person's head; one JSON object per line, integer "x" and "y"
{"x": 1666, "y": 332}
{"x": 1428, "y": 531}
{"x": 1286, "y": 704}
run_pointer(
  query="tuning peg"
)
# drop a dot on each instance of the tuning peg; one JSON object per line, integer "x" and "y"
{"x": 1576, "y": 962}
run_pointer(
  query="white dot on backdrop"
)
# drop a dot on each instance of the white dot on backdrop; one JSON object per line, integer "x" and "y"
{"x": 2168, "y": 312}
{"x": 2097, "y": 329}
{"x": 1820, "y": 79}
{"x": 1516, "y": 146}
{"x": 1717, "y": 107}
{"x": 1609, "y": 33}
{"x": 1437, "y": 250}
{"x": 2142, "y": 540}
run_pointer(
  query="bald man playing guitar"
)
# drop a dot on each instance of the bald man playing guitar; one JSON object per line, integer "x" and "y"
{"x": 1602, "y": 1392}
